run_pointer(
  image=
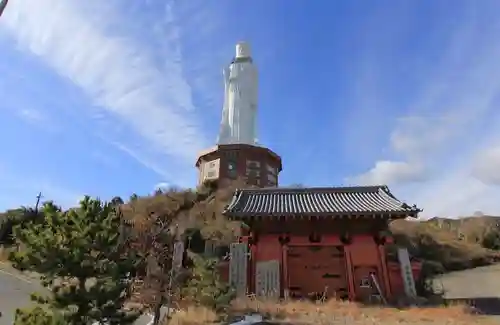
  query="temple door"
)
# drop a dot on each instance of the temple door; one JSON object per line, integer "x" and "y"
{"x": 365, "y": 287}
{"x": 317, "y": 271}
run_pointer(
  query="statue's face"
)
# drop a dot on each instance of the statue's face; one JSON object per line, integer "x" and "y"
{"x": 242, "y": 50}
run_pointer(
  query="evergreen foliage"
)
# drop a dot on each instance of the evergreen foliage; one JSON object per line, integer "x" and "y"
{"x": 205, "y": 287}
{"x": 15, "y": 217}
{"x": 38, "y": 316}
{"x": 491, "y": 239}
{"x": 82, "y": 259}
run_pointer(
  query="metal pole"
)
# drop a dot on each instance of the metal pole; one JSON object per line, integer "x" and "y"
{"x": 38, "y": 197}
{"x": 169, "y": 295}
{"x": 171, "y": 280}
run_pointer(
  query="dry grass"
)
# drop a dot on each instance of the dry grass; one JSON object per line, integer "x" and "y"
{"x": 193, "y": 316}
{"x": 336, "y": 312}
{"x": 4, "y": 253}
{"x": 453, "y": 244}
{"x": 465, "y": 233}
{"x": 204, "y": 214}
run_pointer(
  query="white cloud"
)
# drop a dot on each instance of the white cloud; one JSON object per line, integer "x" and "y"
{"x": 162, "y": 186}
{"x": 417, "y": 136}
{"x": 32, "y": 115}
{"x": 39, "y": 120}
{"x": 84, "y": 42}
{"x": 448, "y": 139}
{"x": 22, "y": 189}
{"x": 391, "y": 172}
{"x": 487, "y": 166}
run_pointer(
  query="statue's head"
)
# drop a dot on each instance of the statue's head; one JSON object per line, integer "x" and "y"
{"x": 243, "y": 50}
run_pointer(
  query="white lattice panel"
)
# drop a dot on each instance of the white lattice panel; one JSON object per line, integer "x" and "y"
{"x": 209, "y": 247}
{"x": 238, "y": 267}
{"x": 267, "y": 278}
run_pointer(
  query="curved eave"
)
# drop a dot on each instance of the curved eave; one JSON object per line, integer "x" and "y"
{"x": 401, "y": 210}
{"x": 370, "y": 215}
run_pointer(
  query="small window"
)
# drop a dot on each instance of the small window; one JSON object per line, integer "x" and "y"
{"x": 365, "y": 283}
{"x": 271, "y": 169}
{"x": 232, "y": 174}
{"x": 253, "y": 165}
{"x": 211, "y": 174}
{"x": 253, "y": 173}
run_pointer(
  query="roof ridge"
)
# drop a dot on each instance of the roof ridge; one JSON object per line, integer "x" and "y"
{"x": 319, "y": 201}
{"x": 364, "y": 189}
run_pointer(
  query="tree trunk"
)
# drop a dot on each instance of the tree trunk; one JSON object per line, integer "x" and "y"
{"x": 157, "y": 313}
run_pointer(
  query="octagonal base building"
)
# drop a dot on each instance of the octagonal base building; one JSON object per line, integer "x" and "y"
{"x": 300, "y": 242}
{"x": 258, "y": 166}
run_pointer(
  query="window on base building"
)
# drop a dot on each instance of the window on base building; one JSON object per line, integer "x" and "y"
{"x": 271, "y": 169}
{"x": 231, "y": 169}
{"x": 233, "y": 154}
{"x": 253, "y": 164}
{"x": 253, "y": 173}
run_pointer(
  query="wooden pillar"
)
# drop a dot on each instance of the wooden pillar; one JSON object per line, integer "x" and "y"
{"x": 284, "y": 239}
{"x": 350, "y": 276}
{"x": 385, "y": 272}
{"x": 284, "y": 272}
{"x": 251, "y": 267}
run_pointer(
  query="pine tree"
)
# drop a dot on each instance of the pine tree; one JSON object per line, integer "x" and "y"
{"x": 38, "y": 316}
{"x": 82, "y": 258}
{"x": 155, "y": 229}
{"x": 205, "y": 286}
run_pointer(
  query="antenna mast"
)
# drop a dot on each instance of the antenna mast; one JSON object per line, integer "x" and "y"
{"x": 38, "y": 197}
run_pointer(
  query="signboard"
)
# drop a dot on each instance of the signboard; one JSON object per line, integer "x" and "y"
{"x": 178, "y": 255}
{"x": 267, "y": 279}
{"x": 238, "y": 262}
{"x": 209, "y": 248}
{"x": 407, "y": 272}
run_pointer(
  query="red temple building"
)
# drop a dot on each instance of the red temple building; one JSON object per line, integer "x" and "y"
{"x": 319, "y": 241}
{"x": 299, "y": 242}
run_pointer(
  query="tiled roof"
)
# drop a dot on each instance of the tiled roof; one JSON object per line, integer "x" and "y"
{"x": 331, "y": 201}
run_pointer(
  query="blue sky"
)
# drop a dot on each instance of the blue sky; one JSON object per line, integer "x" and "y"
{"x": 113, "y": 97}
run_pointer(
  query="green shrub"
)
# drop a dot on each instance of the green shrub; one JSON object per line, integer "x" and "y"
{"x": 205, "y": 288}
{"x": 37, "y": 316}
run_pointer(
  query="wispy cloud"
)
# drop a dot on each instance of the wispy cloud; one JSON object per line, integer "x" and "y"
{"x": 22, "y": 189}
{"x": 31, "y": 115}
{"x": 162, "y": 186}
{"x": 486, "y": 165}
{"x": 90, "y": 43}
{"x": 442, "y": 152}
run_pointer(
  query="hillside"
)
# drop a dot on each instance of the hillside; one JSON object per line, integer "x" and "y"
{"x": 442, "y": 244}
{"x": 451, "y": 244}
